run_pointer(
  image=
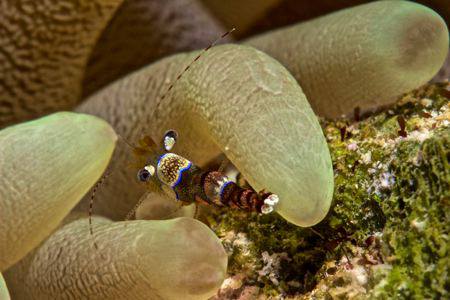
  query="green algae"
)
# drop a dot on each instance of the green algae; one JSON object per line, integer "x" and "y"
{"x": 387, "y": 232}
{"x": 418, "y": 214}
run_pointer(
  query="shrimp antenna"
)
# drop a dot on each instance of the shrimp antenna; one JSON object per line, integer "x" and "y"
{"x": 147, "y": 141}
{"x": 132, "y": 212}
{"x": 127, "y": 142}
{"x": 194, "y": 60}
{"x": 102, "y": 180}
{"x": 91, "y": 204}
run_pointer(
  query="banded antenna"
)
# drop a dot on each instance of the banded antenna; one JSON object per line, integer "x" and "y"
{"x": 105, "y": 176}
{"x": 194, "y": 60}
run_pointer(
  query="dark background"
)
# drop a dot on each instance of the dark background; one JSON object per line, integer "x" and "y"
{"x": 256, "y": 16}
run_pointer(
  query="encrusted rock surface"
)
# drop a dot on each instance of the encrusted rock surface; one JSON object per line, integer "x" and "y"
{"x": 386, "y": 234}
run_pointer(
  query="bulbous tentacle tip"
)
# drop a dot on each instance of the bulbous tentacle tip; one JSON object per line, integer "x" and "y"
{"x": 310, "y": 207}
{"x": 87, "y": 124}
{"x": 204, "y": 280}
{"x": 60, "y": 156}
{"x": 201, "y": 262}
{"x": 171, "y": 259}
{"x": 422, "y": 39}
{"x": 306, "y": 219}
{"x": 372, "y": 54}
{"x": 277, "y": 145}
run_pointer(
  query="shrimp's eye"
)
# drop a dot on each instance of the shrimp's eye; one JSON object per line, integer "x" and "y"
{"x": 145, "y": 173}
{"x": 170, "y": 138}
